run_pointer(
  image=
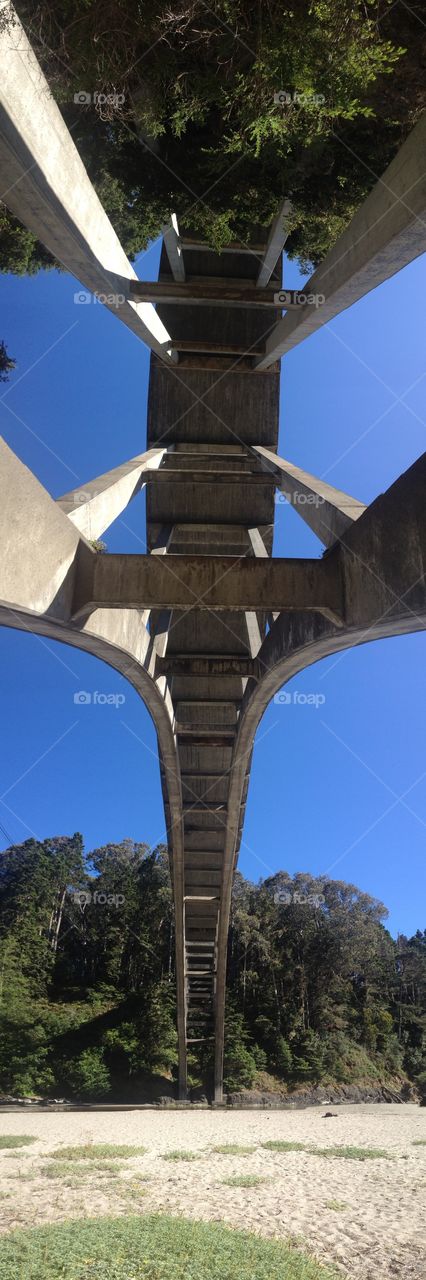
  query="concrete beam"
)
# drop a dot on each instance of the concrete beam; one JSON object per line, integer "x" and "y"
{"x": 39, "y": 545}
{"x": 212, "y": 293}
{"x": 386, "y": 232}
{"x": 209, "y": 582}
{"x": 177, "y": 664}
{"x": 328, "y": 511}
{"x": 276, "y": 241}
{"x": 45, "y": 184}
{"x": 174, "y": 249}
{"x": 95, "y": 505}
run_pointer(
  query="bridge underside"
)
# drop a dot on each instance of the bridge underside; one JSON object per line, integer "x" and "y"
{"x": 216, "y": 501}
{"x": 208, "y": 625}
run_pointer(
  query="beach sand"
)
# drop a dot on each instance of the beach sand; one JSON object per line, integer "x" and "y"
{"x": 367, "y": 1218}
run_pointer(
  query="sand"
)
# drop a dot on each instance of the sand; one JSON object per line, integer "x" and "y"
{"x": 375, "y": 1234}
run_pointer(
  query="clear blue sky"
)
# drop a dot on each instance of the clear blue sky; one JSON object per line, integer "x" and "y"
{"x": 336, "y": 788}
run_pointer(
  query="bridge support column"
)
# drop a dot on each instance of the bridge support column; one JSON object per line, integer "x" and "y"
{"x": 386, "y": 232}
{"x": 93, "y": 506}
{"x": 45, "y": 184}
{"x": 328, "y": 511}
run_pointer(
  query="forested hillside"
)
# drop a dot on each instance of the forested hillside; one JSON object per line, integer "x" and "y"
{"x": 317, "y": 988}
{"x": 220, "y": 110}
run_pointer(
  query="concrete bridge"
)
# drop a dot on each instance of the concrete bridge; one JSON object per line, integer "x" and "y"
{"x": 209, "y": 624}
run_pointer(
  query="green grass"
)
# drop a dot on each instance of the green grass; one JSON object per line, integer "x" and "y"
{"x": 22, "y": 1176}
{"x": 277, "y": 1145}
{"x": 233, "y": 1149}
{"x": 96, "y": 1151}
{"x": 419, "y": 1142}
{"x": 338, "y": 1205}
{"x": 152, "y": 1248}
{"x": 64, "y": 1169}
{"x": 244, "y": 1180}
{"x": 346, "y": 1153}
{"x": 16, "y": 1155}
{"x": 21, "y": 1140}
{"x": 181, "y": 1155}
{"x": 353, "y": 1153}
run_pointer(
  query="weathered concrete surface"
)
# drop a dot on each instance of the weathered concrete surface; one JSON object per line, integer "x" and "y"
{"x": 39, "y": 545}
{"x": 97, "y": 503}
{"x": 44, "y": 182}
{"x": 386, "y": 232}
{"x": 214, "y": 583}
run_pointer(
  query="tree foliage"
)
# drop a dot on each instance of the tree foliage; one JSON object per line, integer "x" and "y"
{"x": 7, "y": 363}
{"x": 184, "y": 116}
{"x": 317, "y": 988}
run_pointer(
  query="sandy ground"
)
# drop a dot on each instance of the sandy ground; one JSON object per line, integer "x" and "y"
{"x": 377, "y": 1233}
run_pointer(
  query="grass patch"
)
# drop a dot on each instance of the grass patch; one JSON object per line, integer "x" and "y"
{"x": 419, "y": 1142}
{"x": 181, "y": 1155}
{"x": 157, "y": 1248}
{"x": 96, "y": 1151}
{"x": 352, "y": 1153}
{"x": 21, "y": 1176}
{"x": 16, "y": 1140}
{"x": 344, "y": 1153}
{"x": 132, "y": 1190}
{"x": 338, "y": 1205}
{"x": 79, "y": 1169}
{"x": 277, "y": 1145}
{"x": 233, "y": 1149}
{"x": 16, "y": 1155}
{"x": 244, "y": 1180}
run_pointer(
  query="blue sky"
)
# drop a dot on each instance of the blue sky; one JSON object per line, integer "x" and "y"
{"x": 334, "y": 789}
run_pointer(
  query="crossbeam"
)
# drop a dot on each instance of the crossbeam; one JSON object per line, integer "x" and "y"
{"x": 208, "y": 582}
{"x": 206, "y": 292}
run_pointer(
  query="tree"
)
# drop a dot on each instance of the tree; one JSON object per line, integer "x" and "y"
{"x": 7, "y": 363}
{"x": 317, "y": 988}
{"x": 196, "y": 126}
